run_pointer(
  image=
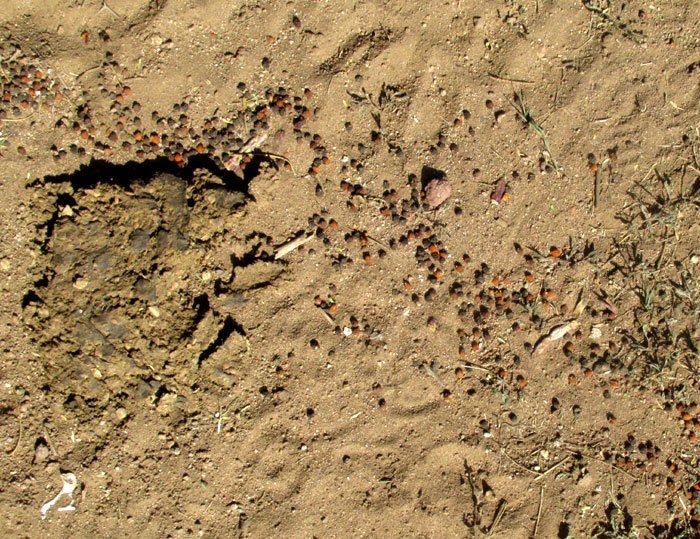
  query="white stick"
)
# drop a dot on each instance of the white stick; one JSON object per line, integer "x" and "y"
{"x": 288, "y": 247}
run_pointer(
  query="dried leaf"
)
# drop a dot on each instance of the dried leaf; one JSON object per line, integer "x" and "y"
{"x": 500, "y": 190}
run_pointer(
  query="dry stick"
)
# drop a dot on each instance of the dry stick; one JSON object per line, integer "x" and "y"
{"x": 327, "y": 317}
{"x": 377, "y": 241}
{"x": 506, "y": 79}
{"x": 551, "y": 469}
{"x": 539, "y": 513}
{"x": 469, "y": 365}
{"x": 19, "y": 119}
{"x": 48, "y": 440}
{"x": 293, "y": 244}
{"x": 106, "y": 7}
{"x": 87, "y": 71}
{"x": 497, "y": 518}
{"x": 503, "y": 450}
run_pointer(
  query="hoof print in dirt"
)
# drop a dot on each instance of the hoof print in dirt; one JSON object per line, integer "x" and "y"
{"x": 135, "y": 293}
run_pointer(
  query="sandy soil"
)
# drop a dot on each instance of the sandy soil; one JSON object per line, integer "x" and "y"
{"x": 516, "y": 358}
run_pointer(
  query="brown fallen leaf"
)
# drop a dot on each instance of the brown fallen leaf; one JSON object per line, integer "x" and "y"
{"x": 499, "y": 191}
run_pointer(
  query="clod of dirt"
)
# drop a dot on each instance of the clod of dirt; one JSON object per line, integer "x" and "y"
{"x": 437, "y": 191}
{"x": 41, "y": 451}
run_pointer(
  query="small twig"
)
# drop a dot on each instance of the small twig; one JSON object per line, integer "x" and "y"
{"x": 19, "y": 119}
{"x": 503, "y": 450}
{"x": 87, "y": 71}
{"x": 469, "y": 365}
{"x": 539, "y": 513}
{"x": 48, "y": 440}
{"x": 375, "y": 240}
{"x": 551, "y": 469}
{"x": 327, "y": 317}
{"x": 506, "y": 79}
{"x": 497, "y": 518}
{"x": 596, "y": 188}
{"x": 288, "y": 247}
{"x": 106, "y": 7}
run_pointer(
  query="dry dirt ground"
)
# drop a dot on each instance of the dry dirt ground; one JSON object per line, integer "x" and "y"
{"x": 519, "y": 360}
